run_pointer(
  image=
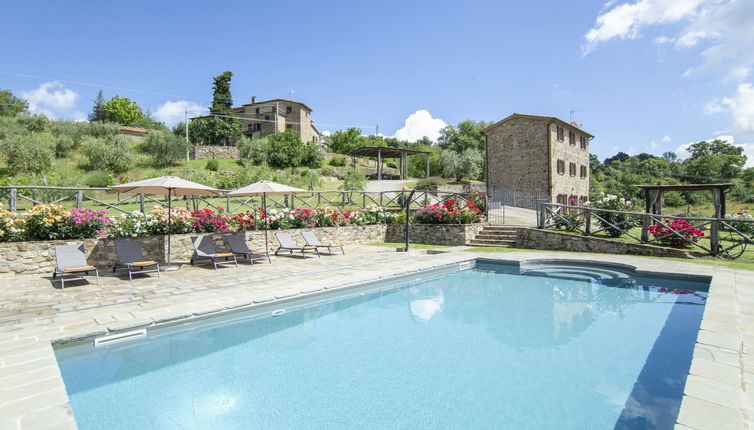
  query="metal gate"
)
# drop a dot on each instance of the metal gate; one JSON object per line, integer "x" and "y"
{"x": 512, "y": 207}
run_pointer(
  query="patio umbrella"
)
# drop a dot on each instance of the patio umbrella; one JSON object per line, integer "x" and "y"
{"x": 166, "y": 186}
{"x": 263, "y": 188}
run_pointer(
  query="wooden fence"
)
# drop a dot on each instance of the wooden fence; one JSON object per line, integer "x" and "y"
{"x": 724, "y": 234}
{"x": 19, "y": 198}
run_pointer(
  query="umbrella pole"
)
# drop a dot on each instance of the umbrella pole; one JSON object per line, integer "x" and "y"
{"x": 170, "y": 222}
{"x": 266, "y": 221}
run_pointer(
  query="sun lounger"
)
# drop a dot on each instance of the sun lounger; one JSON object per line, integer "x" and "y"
{"x": 130, "y": 257}
{"x": 71, "y": 260}
{"x": 204, "y": 250}
{"x": 287, "y": 244}
{"x": 312, "y": 240}
{"x": 238, "y": 246}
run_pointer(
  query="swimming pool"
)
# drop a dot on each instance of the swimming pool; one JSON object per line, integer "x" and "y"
{"x": 568, "y": 346}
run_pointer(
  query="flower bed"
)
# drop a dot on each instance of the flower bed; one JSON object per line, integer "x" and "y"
{"x": 52, "y": 222}
{"x": 620, "y": 220}
{"x": 449, "y": 212}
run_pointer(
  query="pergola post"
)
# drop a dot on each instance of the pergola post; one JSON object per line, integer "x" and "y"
{"x": 379, "y": 164}
{"x": 400, "y": 170}
{"x": 427, "y": 175}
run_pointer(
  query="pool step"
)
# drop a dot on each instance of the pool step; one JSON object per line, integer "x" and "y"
{"x": 502, "y": 236}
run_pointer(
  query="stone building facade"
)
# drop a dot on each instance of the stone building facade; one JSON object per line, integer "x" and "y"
{"x": 537, "y": 156}
{"x": 263, "y": 118}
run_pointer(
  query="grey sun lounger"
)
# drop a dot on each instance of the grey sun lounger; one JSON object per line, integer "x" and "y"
{"x": 312, "y": 240}
{"x": 205, "y": 250}
{"x": 238, "y": 246}
{"x": 130, "y": 258}
{"x": 287, "y": 244}
{"x": 71, "y": 260}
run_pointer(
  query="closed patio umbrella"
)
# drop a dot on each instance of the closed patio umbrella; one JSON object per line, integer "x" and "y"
{"x": 166, "y": 186}
{"x": 263, "y": 188}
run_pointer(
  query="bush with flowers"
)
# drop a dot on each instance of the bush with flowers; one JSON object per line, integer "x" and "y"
{"x": 45, "y": 222}
{"x": 179, "y": 220}
{"x": 619, "y": 220}
{"x": 666, "y": 237}
{"x": 85, "y": 223}
{"x": 208, "y": 221}
{"x": 247, "y": 221}
{"x": 448, "y": 212}
{"x": 133, "y": 224}
{"x": 479, "y": 199}
{"x": 11, "y": 226}
{"x": 742, "y": 221}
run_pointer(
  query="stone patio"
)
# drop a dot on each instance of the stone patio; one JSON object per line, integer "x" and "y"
{"x": 719, "y": 392}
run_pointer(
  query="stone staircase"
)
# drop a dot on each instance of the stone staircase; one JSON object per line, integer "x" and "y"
{"x": 496, "y": 235}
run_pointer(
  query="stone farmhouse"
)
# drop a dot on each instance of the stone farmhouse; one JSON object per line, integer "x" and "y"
{"x": 532, "y": 157}
{"x": 263, "y": 118}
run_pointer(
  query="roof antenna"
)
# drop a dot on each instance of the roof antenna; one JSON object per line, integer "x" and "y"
{"x": 290, "y": 92}
{"x": 573, "y": 111}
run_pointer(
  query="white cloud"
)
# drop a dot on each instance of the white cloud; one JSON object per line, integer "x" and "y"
{"x": 171, "y": 113}
{"x": 749, "y": 153}
{"x": 327, "y": 133}
{"x": 666, "y": 139}
{"x": 625, "y": 20}
{"x": 420, "y": 124}
{"x": 52, "y": 99}
{"x": 741, "y": 106}
{"x": 653, "y": 145}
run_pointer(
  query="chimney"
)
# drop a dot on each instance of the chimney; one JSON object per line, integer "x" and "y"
{"x": 253, "y": 99}
{"x": 574, "y": 124}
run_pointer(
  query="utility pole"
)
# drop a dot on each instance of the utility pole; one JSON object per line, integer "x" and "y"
{"x": 185, "y": 121}
{"x": 377, "y": 131}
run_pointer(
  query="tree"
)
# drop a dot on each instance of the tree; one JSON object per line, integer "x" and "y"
{"x": 32, "y": 153}
{"x": 353, "y": 180}
{"x": 221, "y": 98}
{"x": 344, "y": 142}
{"x": 98, "y": 110}
{"x": 122, "y": 110}
{"x": 287, "y": 150}
{"x": 253, "y": 151}
{"x": 621, "y": 156}
{"x": 165, "y": 148}
{"x": 214, "y": 131}
{"x": 714, "y": 161}
{"x": 468, "y": 134}
{"x": 11, "y": 105}
{"x": 109, "y": 153}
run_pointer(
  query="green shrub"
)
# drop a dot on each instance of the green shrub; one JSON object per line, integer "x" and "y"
{"x": 166, "y": 149}
{"x": 212, "y": 165}
{"x": 98, "y": 178}
{"x": 424, "y": 184}
{"x": 33, "y": 123}
{"x": 353, "y": 180}
{"x": 32, "y": 153}
{"x": 312, "y": 179}
{"x": 569, "y": 221}
{"x": 64, "y": 144}
{"x": 253, "y": 151}
{"x": 110, "y": 153}
{"x": 102, "y": 129}
{"x": 286, "y": 150}
{"x": 338, "y": 161}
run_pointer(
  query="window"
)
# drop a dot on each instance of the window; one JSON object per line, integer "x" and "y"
{"x": 572, "y": 138}
{"x": 572, "y": 169}
{"x": 560, "y": 133}
{"x": 562, "y": 199}
{"x": 582, "y": 140}
{"x": 267, "y": 117}
{"x": 258, "y": 110}
{"x": 288, "y": 126}
{"x": 583, "y": 172}
{"x": 561, "y": 167}
{"x": 583, "y": 200}
{"x": 289, "y": 109}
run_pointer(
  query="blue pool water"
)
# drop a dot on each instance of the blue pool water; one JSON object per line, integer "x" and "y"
{"x": 470, "y": 349}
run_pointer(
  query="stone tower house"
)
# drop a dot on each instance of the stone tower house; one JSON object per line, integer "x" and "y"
{"x": 532, "y": 157}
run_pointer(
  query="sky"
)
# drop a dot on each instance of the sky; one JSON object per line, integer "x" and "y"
{"x": 641, "y": 75}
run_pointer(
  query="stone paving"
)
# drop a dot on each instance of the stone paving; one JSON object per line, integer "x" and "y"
{"x": 34, "y": 312}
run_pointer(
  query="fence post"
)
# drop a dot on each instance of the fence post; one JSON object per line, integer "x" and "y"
{"x": 141, "y": 202}
{"x": 541, "y": 213}
{"x": 487, "y": 208}
{"x": 342, "y": 199}
{"x": 714, "y": 237}
{"x": 588, "y": 222}
{"x": 12, "y": 199}
{"x": 363, "y": 199}
{"x": 227, "y": 204}
{"x": 645, "y": 228}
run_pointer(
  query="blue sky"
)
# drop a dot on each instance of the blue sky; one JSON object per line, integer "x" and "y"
{"x": 642, "y": 75}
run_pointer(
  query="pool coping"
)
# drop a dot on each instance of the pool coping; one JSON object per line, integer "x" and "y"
{"x": 716, "y": 394}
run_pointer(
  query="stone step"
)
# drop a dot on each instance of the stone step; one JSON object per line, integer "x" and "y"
{"x": 492, "y": 242}
{"x": 500, "y": 228}
{"x": 496, "y": 234}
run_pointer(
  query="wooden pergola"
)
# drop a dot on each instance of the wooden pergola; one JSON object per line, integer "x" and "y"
{"x": 653, "y": 195}
{"x": 381, "y": 152}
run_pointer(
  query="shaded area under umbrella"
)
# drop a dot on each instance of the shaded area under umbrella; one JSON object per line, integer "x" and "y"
{"x": 166, "y": 186}
{"x": 264, "y": 188}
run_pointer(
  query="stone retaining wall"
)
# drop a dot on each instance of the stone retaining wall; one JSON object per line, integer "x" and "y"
{"x": 532, "y": 238}
{"x": 434, "y": 234}
{"x": 205, "y": 152}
